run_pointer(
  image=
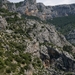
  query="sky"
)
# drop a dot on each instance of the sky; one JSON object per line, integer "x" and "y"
{"x": 50, "y": 2}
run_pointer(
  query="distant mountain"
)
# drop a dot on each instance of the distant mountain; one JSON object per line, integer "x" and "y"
{"x": 31, "y": 8}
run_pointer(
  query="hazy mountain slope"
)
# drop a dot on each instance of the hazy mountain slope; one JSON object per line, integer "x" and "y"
{"x": 30, "y": 46}
{"x": 45, "y": 12}
{"x": 32, "y": 8}
{"x": 65, "y": 25}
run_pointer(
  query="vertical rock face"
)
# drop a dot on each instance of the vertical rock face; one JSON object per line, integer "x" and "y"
{"x": 3, "y": 23}
{"x": 37, "y": 39}
{"x": 29, "y": 2}
{"x": 28, "y": 7}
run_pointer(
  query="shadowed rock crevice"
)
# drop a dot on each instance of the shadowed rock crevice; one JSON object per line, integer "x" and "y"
{"x": 58, "y": 60}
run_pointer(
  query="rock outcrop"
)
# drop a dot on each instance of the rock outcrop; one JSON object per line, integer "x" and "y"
{"x": 71, "y": 36}
{"x": 46, "y": 33}
{"x": 3, "y": 23}
{"x": 47, "y": 44}
{"x": 28, "y": 7}
{"x": 31, "y": 8}
{"x": 57, "y": 59}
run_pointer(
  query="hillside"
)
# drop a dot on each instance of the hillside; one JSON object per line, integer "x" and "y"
{"x": 32, "y": 8}
{"x": 28, "y": 46}
{"x": 65, "y": 25}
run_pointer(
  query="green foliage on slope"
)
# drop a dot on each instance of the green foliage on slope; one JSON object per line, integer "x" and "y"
{"x": 64, "y": 24}
{"x": 13, "y": 58}
{"x": 67, "y": 48}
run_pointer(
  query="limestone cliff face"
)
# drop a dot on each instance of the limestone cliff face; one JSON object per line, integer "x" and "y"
{"x": 57, "y": 11}
{"x": 33, "y": 47}
{"x": 3, "y": 23}
{"x": 71, "y": 36}
{"x": 30, "y": 7}
{"x": 47, "y": 44}
{"x": 46, "y": 33}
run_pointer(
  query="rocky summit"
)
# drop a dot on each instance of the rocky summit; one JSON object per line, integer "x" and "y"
{"x": 32, "y": 8}
{"x": 31, "y": 46}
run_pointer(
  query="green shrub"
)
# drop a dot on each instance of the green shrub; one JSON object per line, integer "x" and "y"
{"x": 19, "y": 31}
{"x": 31, "y": 17}
{"x": 67, "y": 48}
{"x": 23, "y": 61}
{"x": 3, "y": 10}
{"x": 36, "y": 62}
{"x": 26, "y": 57}
{"x": 1, "y": 64}
{"x": 12, "y": 20}
{"x": 18, "y": 59}
{"x": 69, "y": 73}
{"x": 34, "y": 74}
{"x": 8, "y": 70}
{"x": 26, "y": 67}
{"x": 1, "y": 53}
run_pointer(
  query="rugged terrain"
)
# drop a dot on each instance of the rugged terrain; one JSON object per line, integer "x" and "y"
{"x": 31, "y": 7}
{"x": 66, "y": 26}
{"x": 30, "y": 46}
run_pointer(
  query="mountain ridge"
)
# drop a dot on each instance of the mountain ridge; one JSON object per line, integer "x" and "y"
{"x": 32, "y": 8}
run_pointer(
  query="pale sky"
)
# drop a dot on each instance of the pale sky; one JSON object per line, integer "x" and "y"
{"x": 50, "y": 2}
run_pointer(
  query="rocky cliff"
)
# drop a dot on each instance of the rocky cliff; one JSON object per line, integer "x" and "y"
{"x": 3, "y": 23}
{"x": 46, "y": 12}
{"x": 33, "y": 47}
{"x": 30, "y": 7}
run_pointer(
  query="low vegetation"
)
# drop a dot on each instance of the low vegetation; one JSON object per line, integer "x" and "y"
{"x": 67, "y": 48}
{"x": 64, "y": 24}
